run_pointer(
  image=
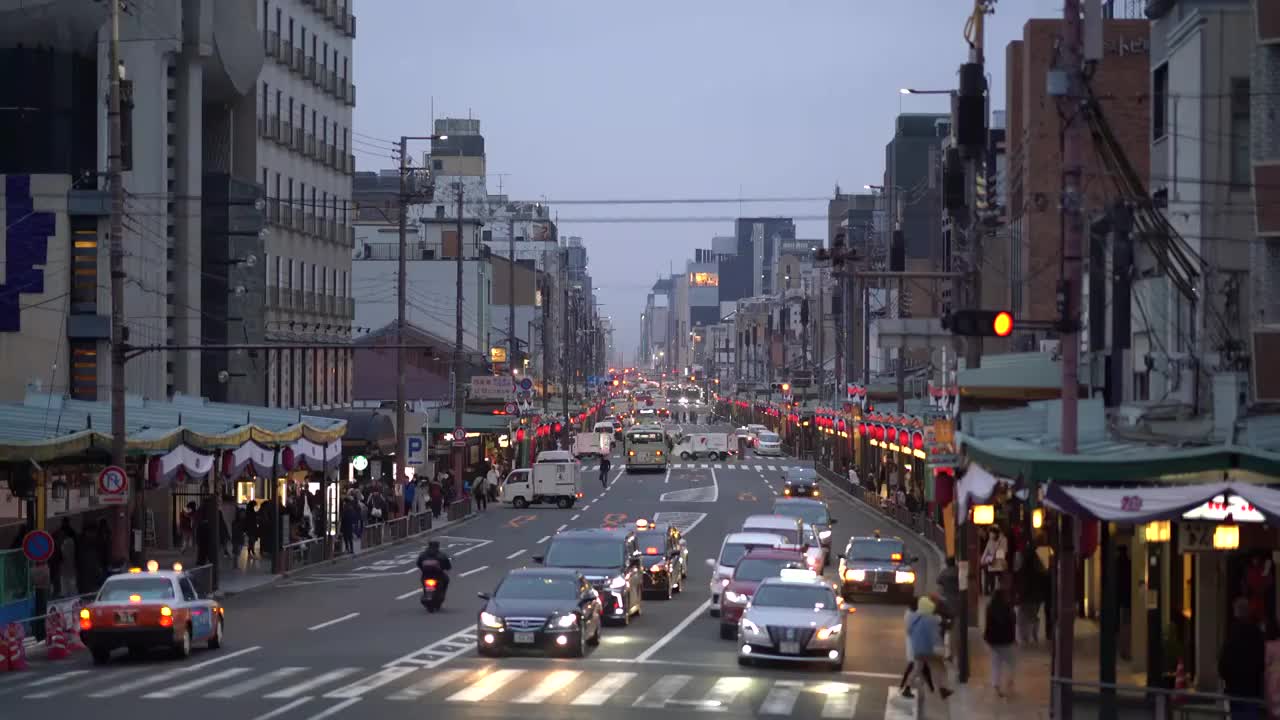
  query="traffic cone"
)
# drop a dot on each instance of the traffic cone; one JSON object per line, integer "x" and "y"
{"x": 1179, "y": 683}
{"x": 56, "y": 637}
{"x": 17, "y": 652}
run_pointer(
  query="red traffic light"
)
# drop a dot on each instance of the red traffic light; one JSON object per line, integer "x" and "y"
{"x": 1002, "y": 324}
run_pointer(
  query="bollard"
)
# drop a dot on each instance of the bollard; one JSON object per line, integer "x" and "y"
{"x": 56, "y": 637}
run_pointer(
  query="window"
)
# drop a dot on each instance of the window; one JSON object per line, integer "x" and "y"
{"x": 279, "y": 270}
{"x": 345, "y": 64}
{"x": 84, "y": 370}
{"x": 1241, "y": 165}
{"x": 266, "y": 98}
{"x": 324, "y": 59}
{"x": 303, "y": 120}
{"x": 324, "y": 130}
{"x": 279, "y": 20}
{"x": 189, "y": 590}
{"x": 291, "y": 284}
{"x": 279, "y": 101}
{"x": 324, "y": 205}
{"x": 266, "y": 15}
{"x": 291, "y": 31}
{"x": 704, "y": 279}
{"x": 290, "y": 196}
{"x": 84, "y": 271}
{"x": 290, "y": 109}
{"x": 1159, "y": 101}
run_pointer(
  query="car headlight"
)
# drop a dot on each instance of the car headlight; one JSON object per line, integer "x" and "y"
{"x": 657, "y": 567}
{"x": 735, "y": 598}
{"x": 824, "y": 534}
{"x": 829, "y": 632}
{"x": 750, "y": 628}
{"x": 724, "y": 582}
{"x": 565, "y": 621}
{"x": 617, "y": 583}
{"x": 904, "y": 577}
{"x": 855, "y": 575}
{"x": 490, "y": 620}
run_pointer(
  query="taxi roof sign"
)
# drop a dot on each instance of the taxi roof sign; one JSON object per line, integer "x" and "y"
{"x": 798, "y": 575}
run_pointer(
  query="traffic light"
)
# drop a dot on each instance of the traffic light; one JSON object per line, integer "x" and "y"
{"x": 979, "y": 323}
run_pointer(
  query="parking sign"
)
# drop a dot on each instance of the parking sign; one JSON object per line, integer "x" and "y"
{"x": 416, "y": 454}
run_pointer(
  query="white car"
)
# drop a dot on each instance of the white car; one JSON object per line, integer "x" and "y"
{"x": 768, "y": 443}
{"x": 735, "y": 545}
{"x": 815, "y": 556}
{"x": 798, "y": 617}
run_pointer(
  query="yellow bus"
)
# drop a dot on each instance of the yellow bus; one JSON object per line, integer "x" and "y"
{"x": 646, "y": 448}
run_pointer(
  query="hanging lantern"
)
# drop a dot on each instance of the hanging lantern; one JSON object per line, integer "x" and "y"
{"x": 286, "y": 459}
{"x": 1226, "y": 537}
{"x": 1157, "y": 531}
{"x": 558, "y": 428}
{"x": 520, "y": 435}
{"x": 984, "y": 514}
{"x": 892, "y": 434}
{"x": 841, "y": 424}
{"x": 228, "y": 463}
{"x": 917, "y": 441}
{"x": 1037, "y": 518}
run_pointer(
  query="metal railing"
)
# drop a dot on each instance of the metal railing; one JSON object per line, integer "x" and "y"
{"x": 1131, "y": 702}
{"x": 917, "y": 522}
{"x": 315, "y": 550}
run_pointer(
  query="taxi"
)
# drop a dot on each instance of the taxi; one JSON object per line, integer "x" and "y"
{"x": 142, "y": 610}
{"x": 666, "y": 557}
{"x": 796, "y": 617}
{"x": 877, "y": 566}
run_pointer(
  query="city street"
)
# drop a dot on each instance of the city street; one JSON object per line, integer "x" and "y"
{"x": 352, "y": 641}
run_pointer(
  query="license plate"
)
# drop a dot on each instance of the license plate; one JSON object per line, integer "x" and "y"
{"x": 524, "y": 638}
{"x": 789, "y": 647}
{"x": 126, "y": 618}
{"x": 880, "y": 588}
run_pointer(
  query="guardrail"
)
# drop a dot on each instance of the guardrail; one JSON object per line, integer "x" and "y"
{"x": 1132, "y": 702}
{"x": 917, "y": 522}
{"x": 315, "y": 550}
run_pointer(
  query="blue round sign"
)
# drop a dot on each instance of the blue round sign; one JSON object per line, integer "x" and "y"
{"x": 526, "y": 384}
{"x": 37, "y": 545}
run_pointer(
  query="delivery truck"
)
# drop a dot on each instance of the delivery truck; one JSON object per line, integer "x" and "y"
{"x": 594, "y": 444}
{"x": 553, "y": 480}
{"x": 692, "y": 444}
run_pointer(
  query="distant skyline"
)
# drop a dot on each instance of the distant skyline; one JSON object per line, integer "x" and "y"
{"x": 715, "y": 99}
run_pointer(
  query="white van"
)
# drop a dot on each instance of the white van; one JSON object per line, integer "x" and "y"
{"x": 553, "y": 479}
{"x": 789, "y": 527}
{"x": 735, "y": 545}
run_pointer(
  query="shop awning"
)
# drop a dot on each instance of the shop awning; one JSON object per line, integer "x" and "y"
{"x": 1136, "y": 505}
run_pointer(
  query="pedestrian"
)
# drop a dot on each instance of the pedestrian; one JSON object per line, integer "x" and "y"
{"x": 436, "y": 495}
{"x": 1030, "y": 586}
{"x": 605, "y": 466}
{"x": 491, "y": 481}
{"x": 925, "y": 630}
{"x": 348, "y": 519}
{"x": 68, "y": 548}
{"x": 1000, "y": 635}
{"x": 1242, "y": 663}
{"x": 908, "y": 616}
{"x": 479, "y": 493}
{"x": 995, "y": 558}
{"x": 250, "y": 530}
{"x": 187, "y": 524}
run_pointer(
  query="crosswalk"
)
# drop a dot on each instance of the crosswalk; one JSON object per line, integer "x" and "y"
{"x": 589, "y": 685}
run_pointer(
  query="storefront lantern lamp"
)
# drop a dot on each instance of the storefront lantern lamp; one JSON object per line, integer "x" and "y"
{"x": 1226, "y": 537}
{"x": 1158, "y": 531}
{"x": 1037, "y": 518}
{"x": 360, "y": 462}
{"x": 520, "y": 435}
{"x": 917, "y": 441}
{"x": 984, "y": 514}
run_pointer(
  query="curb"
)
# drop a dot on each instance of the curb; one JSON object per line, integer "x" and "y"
{"x": 277, "y": 577}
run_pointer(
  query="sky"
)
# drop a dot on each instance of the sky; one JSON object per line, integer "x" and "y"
{"x": 591, "y": 100}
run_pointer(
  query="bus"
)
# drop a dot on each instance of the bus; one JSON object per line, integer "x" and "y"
{"x": 646, "y": 448}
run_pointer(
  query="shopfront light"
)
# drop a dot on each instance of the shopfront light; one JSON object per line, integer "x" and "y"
{"x": 1158, "y": 531}
{"x": 1226, "y": 537}
{"x": 1037, "y": 518}
{"x": 984, "y": 514}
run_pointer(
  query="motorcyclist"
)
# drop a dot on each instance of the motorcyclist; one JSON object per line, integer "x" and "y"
{"x": 433, "y": 563}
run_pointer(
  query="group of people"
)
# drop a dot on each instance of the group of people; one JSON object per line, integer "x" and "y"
{"x": 81, "y": 559}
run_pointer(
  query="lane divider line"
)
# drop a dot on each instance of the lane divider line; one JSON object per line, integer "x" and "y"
{"x": 575, "y": 517}
{"x": 516, "y": 554}
{"x": 473, "y": 571}
{"x": 561, "y": 528}
{"x": 284, "y": 708}
{"x": 697, "y": 613}
{"x": 544, "y": 539}
{"x": 337, "y": 620}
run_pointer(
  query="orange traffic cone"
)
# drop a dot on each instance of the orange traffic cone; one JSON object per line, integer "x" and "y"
{"x": 72, "y": 624}
{"x": 55, "y": 637}
{"x": 1179, "y": 683}
{"x": 16, "y": 652}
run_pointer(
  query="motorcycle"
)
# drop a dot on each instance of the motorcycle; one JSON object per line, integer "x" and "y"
{"x": 432, "y": 588}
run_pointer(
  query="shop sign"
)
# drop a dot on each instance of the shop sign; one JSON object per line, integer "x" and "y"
{"x": 1195, "y": 537}
{"x": 944, "y": 432}
{"x": 1223, "y": 506}
{"x": 492, "y": 387}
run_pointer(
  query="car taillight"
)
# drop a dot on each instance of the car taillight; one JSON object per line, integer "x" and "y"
{"x": 85, "y": 622}
{"x": 166, "y": 616}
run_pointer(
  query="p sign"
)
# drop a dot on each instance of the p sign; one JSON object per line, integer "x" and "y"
{"x": 416, "y": 454}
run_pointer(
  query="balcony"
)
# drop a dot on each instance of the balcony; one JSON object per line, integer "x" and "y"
{"x": 299, "y": 59}
{"x": 295, "y": 299}
{"x": 350, "y": 28}
{"x": 351, "y": 94}
{"x": 273, "y": 127}
{"x": 273, "y": 44}
{"x": 262, "y": 126}
{"x": 299, "y": 139}
{"x": 331, "y": 82}
{"x": 351, "y": 164}
{"x": 286, "y": 55}
{"x": 348, "y": 309}
{"x": 309, "y": 69}
{"x": 330, "y": 9}
{"x": 311, "y": 302}
{"x": 332, "y": 231}
{"x": 321, "y": 73}
{"x": 286, "y": 133}
{"x": 330, "y": 155}
{"x": 286, "y": 215}
{"x": 350, "y": 233}
{"x": 273, "y": 211}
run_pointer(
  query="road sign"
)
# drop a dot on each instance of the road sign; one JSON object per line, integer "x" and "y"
{"x": 513, "y": 409}
{"x": 37, "y": 545}
{"x": 416, "y": 453}
{"x": 526, "y": 384}
{"x": 113, "y": 486}
{"x": 459, "y": 437}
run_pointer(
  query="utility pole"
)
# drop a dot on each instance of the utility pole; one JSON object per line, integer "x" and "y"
{"x": 402, "y": 281}
{"x": 459, "y": 402}
{"x": 120, "y": 546}
{"x": 512, "y": 345}
{"x": 1073, "y": 144}
{"x": 565, "y": 370}
{"x": 546, "y": 337}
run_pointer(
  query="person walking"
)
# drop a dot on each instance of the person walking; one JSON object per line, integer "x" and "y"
{"x": 1000, "y": 634}
{"x": 908, "y": 618}
{"x": 1242, "y": 663}
{"x": 925, "y": 630}
{"x": 436, "y": 494}
{"x": 605, "y": 466}
{"x": 1030, "y": 587}
{"x": 479, "y": 491}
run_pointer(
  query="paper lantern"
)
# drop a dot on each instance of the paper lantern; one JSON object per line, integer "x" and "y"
{"x": 153, "y": 468}
{"x": 286, "y": 459}
{"x": 228, "y": 464}
{"x": 917, "y": 441}
{"x": 1157, "y": 531}
{"x": 1226, "y": 537}
{"x": 984, "y": 514}
{"x": 520, "y": 435}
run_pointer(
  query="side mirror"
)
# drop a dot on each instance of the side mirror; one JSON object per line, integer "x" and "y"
{"x": 832, "y": 521}
{"x": 538, "y": 559}
{"x": 482, "y": 595}
{"x": 711, "y": 563}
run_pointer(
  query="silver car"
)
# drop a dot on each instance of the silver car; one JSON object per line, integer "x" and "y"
{"x": 768, "y": 443}
{"x": 798, "y": 617}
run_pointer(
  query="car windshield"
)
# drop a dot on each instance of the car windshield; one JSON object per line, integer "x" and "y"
{"x": 154, "y": 588}
{"x": 757, "y": 569}
{"x": 800, "y": 597}
{"x": 652, "y": 542}
{"x": 602, "y": 553}
{"x": 791, "y": 535}
{"x": 537, "y": 587}
{"x": 768, "y": 437}
{"x": 644, "y": 438}
{"x": 884, "y": 550}
{"x": 802, "y": 476}
{"x": 811, "y": 513}
{"x": 731, "y": 553}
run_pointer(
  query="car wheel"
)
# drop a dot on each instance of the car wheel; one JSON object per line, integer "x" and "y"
{"x": 215, "y": 640}
{"x": 564, "y": 503}
{"x": 727, "y": 631}
{"x": 580, "y": 648}
{"x": 182, "y": 648}
{"x": 684, "y": 456}
{"x": 100, "y": 655}
{"x": 520, "y": 503}
{"x": 744, "y": 660}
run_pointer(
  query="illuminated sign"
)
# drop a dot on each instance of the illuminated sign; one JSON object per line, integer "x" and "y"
{"x": 498, "y": 354}
{"x": 704, "y": 279}
{"x": 1219, "y": 508}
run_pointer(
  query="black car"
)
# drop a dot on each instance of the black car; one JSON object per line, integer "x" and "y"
{"x": 665, "y": 558}
{"x": 539, "y": 609}
{"x": 800, "y": 482}
{"x": 877, "y": 567}
{"x": 610, "y": 560}
{"x": 813, "y": 512}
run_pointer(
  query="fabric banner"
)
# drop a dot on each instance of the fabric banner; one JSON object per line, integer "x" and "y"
{"x": 182, "y": 458}
{"x": 317, "y": 456}
{"x": 1136, "y": 505}
{"x": 249, "y": 457}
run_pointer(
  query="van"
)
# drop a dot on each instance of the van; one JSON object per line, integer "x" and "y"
{"x": 789, "y": 527}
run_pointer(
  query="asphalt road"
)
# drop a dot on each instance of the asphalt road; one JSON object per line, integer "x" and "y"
{"x": 351, "y": 640}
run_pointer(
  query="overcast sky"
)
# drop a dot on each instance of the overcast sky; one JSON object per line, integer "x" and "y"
{"x": 584, "y": 100}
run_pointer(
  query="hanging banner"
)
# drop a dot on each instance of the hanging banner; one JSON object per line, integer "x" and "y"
{"x": 194, "y": 464}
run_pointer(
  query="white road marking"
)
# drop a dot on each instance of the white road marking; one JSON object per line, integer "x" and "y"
{"x": 662, "y": 691}
{"x": 284, "y": 709}
{"x": 842, "y": 699}
{"x": 544, "y": 539}
{"x": 17, "y": 680}
{"x": 486, "y": 686}
{"x": 718, "y": 466}
{"x": 704, "y": 466}
{"x": 430, "y": 685}
{"x": 175, "y": 690}
{"x": 604, "y": 688}
{"x": 515, "y": 554}
{"x": 310, "y": 683}
{"x": 60, "y": 688}
{"x": 667, "y": 479}
{"x": 335, "y": 709}
{"x": 473, "y": 571}
{"x": 335, "y": 621}
{"x": 662, "y": 641}
{"x": 550, "y": 685}
{"x": 772, "y": 469}
{"x": 480, "y": 544}
{"x": 411, "y": 593}
{"x": 897, "y": 707}
{"x": 255, "y": 683}
{"x": 722, "y": 694}
{"x": 440, "y": 651}
{"x": 561, "y": 528}
{"x": 782, "y": 697}
{"x": 575, "y": 517}
{"x": 759, "y": 468}
{"x": 164, "y": 677}
{"x": 358, "y": 688}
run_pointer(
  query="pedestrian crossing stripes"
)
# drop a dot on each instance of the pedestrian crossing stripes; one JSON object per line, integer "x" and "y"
{"x": 761, "y": 695}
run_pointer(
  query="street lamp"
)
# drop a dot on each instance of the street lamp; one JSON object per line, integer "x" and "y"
{"x": 914, "y": 91}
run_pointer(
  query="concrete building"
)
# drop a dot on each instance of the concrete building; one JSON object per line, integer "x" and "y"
{"x": 1264, "y": 132}
{"x": 913, "y": 202}
{"x": 760, "y": 241}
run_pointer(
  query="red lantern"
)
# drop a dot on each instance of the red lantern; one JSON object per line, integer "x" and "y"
{"x": 880, "y": 433}
{"x": 558, "y": 428}
{"x": 228, "y": 463}
{"x": 841, "y": 424}
{"x": 153, "y": 468}
{"x": 286, "y": 459}
{"x": 891, "y": 434}
{"x": 917, "y": 441}
{"x": 520, "y": 435}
